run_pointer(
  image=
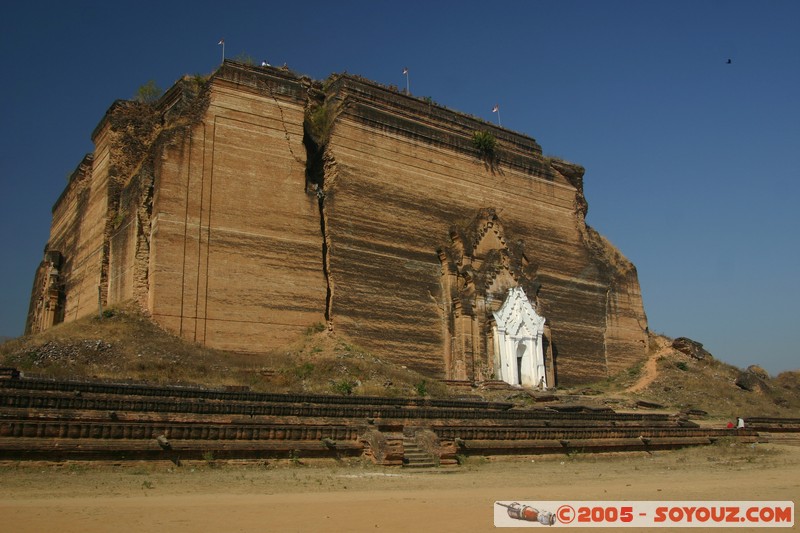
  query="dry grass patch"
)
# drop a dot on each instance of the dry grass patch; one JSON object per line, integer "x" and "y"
{"x": 125, "y": 345}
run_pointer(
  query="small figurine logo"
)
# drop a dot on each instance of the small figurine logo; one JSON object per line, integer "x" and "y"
{"x": 529, "y": 514}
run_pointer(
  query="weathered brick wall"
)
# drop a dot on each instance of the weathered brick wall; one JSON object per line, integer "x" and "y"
{"x": 236, "y": 245}
{"x": 235, "y": 233}
{"x": 77, "y": 232}
{"x": 66, "y": 235}
{"x": 122, "y": 252}
{"x": 403, "y": 180}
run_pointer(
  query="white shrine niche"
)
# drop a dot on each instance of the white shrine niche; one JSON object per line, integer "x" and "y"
{"x": 517, "y": 335}
{"x": 480, "y": 263}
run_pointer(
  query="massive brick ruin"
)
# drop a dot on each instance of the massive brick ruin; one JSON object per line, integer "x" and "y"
{"x": 242, "y": 209}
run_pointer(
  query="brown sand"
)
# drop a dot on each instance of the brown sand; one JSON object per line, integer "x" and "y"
{"x": 333, "y": 497}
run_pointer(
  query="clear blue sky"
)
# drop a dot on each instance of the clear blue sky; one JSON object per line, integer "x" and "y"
{"x": 692, "y": 164}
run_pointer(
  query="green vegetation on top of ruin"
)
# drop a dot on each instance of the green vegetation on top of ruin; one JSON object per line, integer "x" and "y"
{"x": 245, "y": 58}
{"x": 319, "y": 121}
{"x": 149, "y": 93}
{"x": 485, "y": 142}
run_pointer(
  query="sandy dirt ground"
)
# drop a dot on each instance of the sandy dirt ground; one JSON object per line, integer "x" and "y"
{"x": 281, "y": 496}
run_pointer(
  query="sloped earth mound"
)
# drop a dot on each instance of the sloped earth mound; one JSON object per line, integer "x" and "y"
{"x": 679, "y": 382}
{"x": 125, "y": 345}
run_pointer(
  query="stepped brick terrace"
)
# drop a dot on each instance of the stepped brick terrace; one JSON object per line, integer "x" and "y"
{"x": 85, "y": 420}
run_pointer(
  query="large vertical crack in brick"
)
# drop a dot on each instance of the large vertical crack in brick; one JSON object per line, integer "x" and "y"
{"x": 326, "y": 250}
{"x": 320, "y": 115}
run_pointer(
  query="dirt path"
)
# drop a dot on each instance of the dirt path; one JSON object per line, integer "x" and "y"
{"x": 365, "y": 498}
{"x": 650, "y": 369}
{"x": 649, "y": 373}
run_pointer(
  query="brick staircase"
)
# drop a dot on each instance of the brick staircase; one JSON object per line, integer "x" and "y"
{"x": 414, "y": 456}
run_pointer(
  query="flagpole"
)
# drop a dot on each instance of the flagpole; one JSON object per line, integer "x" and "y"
{"x": 496, "y": 109}
{"x": 222, "y": 42}
{"x": 408, "y": 86}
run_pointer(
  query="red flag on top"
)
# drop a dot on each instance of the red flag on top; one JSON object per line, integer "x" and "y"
{"x": 221, "y": 41}
{"x": 496, "y": 108}
{"x": 405, "y": 70}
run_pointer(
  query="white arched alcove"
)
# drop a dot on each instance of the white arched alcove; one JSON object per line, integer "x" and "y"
{"x": 518, "y": 329}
